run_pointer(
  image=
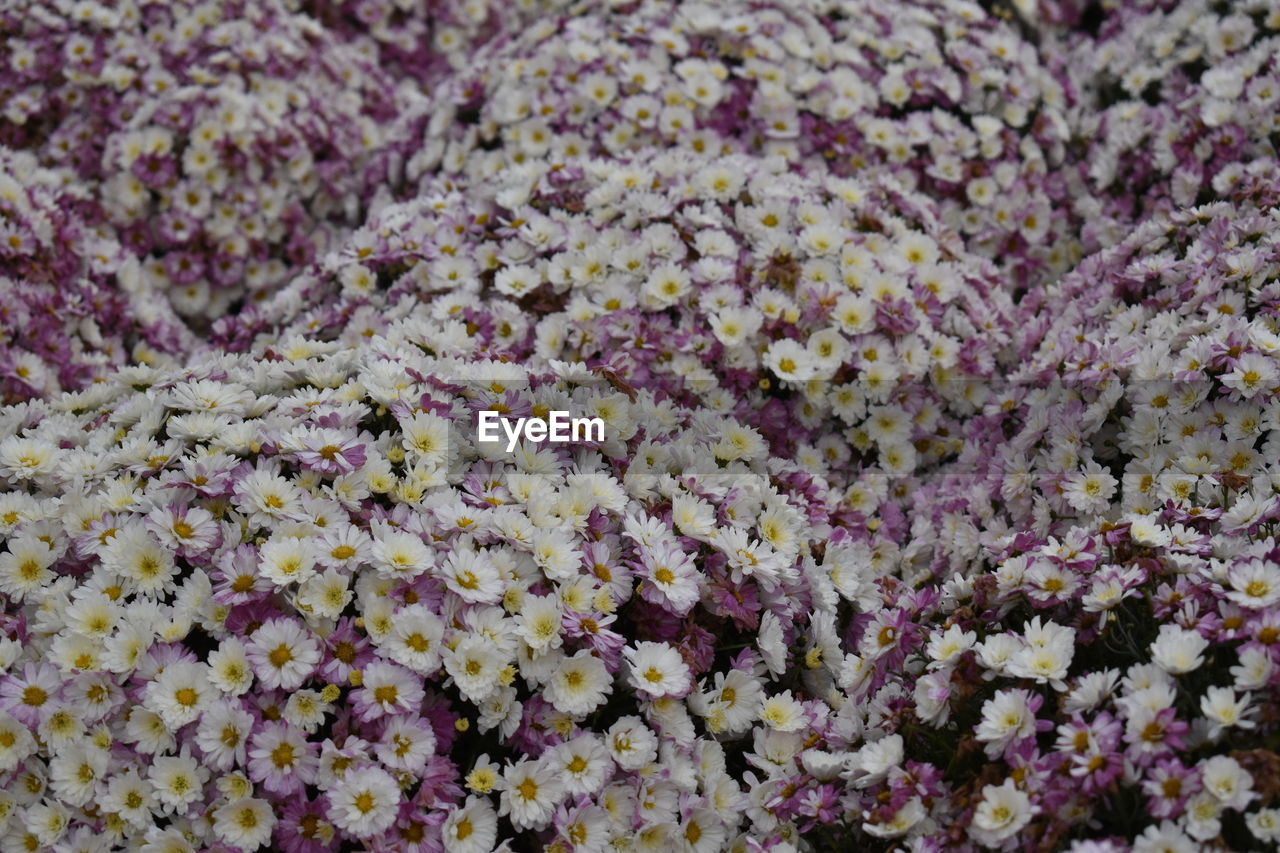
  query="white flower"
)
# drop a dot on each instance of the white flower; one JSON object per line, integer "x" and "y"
{"x": 1255, "y": 584}
{"x": 790, "y": 360}
{"x": 25, "y": 566}
{"x": 1090, "y": 489}
{"x": 873, "y": 762}
{"x": 178, "y": 780}
{"x": 1146, "y": 530}
{"x": 325, "y": 594}
{"x": 782, "y": 713}
{"x": 1230, "y": 783}
{"x": 578, "y": 685}
{"x": 1254, "y": 670}
{"x": 1002, "y": 813}
{"x": 1047, "y": 654}
{"x": 1252, "y": 373}
{"x": 179, "y": 693}
{"x": 400, "y": 554}
{"x": 245, "y": 823}
{"x": 472, "y": 828}
{"x": 948, "y": 645}
{"x": 475, "y": 664}
{"x": 416, "y": 639}
{"x": 16, "y": 742}
{"x": 364, "y": 802}
{"x": 539, "y": 622}
{"x": 283, "y": 654}
{"x": 27, "y": 458}
{"x": 472, "y": 576}
{"x": 903, "y": 821}
{"x": 229, "y": 667}
{"x": 1178, "y": 650}
{"x": 582, "y": 763}
{"x": 1006, "y": 717}
{"x": 631, "y": 743}
{"x": 530, "y": 792}
{"x": 656, "y": 669}
{"x": 1264, "y": 824}
{"x": 426, "y": 438}
{"x": 1224, "y": 710}
{"x": 1164, "y": 838}
{"x": 286, "y": 560}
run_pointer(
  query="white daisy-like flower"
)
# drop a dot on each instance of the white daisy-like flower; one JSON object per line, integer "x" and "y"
{"x": 472, "y": 828}
{"x": 177, "y": 780}
{"x": 475, "y": 666}
{"x": 229, "y": 668}
{"x": 286, "y": 560}
{"x": 1002, "y": 813}
{"x": 179, "y": 693}
{"x": 631, "y": 743}
{"x": 782, "y": 713}
{"x": 364, "y": 802}
{"x": 416, "y": 639}
{"x": 579, "y": 684}
{"x": 656, "y": 669}
{"x": 283, "y": 654}
{"x": 245, "y": 822}
{"x": 530, "y": 792}
{"x": 400, "y": 554}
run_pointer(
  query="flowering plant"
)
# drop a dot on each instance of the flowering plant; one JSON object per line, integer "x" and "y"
{"x": 934, "y": 353}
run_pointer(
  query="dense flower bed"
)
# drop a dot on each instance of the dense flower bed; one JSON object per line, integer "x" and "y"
{"x": 909, "y": 528}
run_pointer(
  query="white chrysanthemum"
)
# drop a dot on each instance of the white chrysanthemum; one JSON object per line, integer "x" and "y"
{"x": 475, "y": 665}
{"x": 782, "y": 713}
{"x": 472, "y": 576}
{"x": 283, "y": 654}
{"x": 578, "y": 685}
{"x": 325, "y": 594}
{"x": 245, "y": 823}
{"x": 364, "y": 802}
{"x": 177, "y": 780}
{"x": 539, "y": 622}
{"x": 229, "y": 667}
{"x": 27, "y": 458}
{"x": 656, "y": 669}
{"x": 472, "y": 828}
{"x": 400, "y": 554}
{"x": 16, "y": 742}
{"x": 1002, "y": 813}
{"x": 530, "y": 792}
{"x": 1178, "y": 650}
{"x": 426, "y": 437}
{"x": 25, "y": 566}
{"x": 416, "y": 639}
{"x": 286, "y": 560}
{"x": 179, "y": 693}
{"x": 631, "y": 743}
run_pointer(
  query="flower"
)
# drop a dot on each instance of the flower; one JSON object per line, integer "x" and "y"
{"x": 245, "y": 822}
{"x": 656, "y": 669}
{"x": 364, "y": 802}
{"x": 1002, "y": 813}
{"x": 283, "y": 654}
{"x": 530, "y": 792}
{"x": 579, "y": 684}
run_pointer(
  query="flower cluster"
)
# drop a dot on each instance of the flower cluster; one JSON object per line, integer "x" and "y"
{"x": 74, "y": 304}
{"x": 292, "y": 587}
{"x": 908, "y": 528}
{"x": 223, "y": 142}
{"x": 945, "y": 97}
{"x": 1177, "y": 99}
{"x": 729, "y": 280}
